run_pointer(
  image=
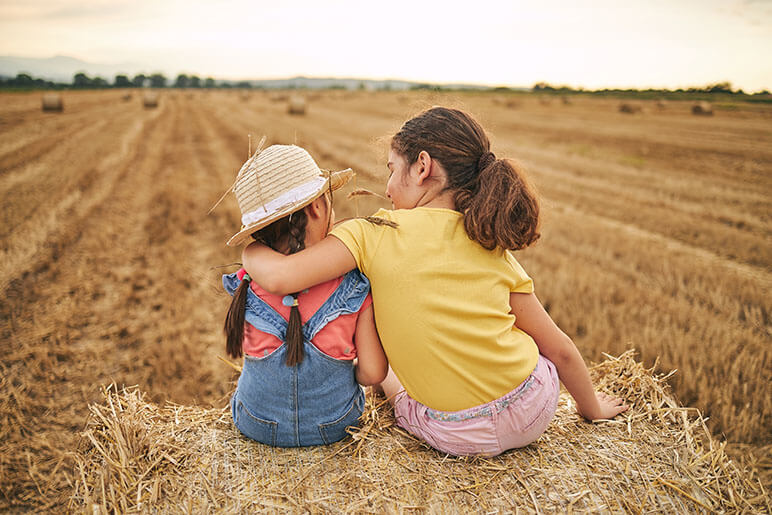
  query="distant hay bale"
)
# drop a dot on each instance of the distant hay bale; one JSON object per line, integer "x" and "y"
{"x": 279, "y": 97}
{"x": 629, "y": 108}
{"x": 657, "y": 457}
{"x": 297, "y": 105}
{"x": 566, "y": 100}
{"x": 150, "y": 99}
{"x": 661, "y": 104}
{"x": 545, "y": 101}
{"x": 702, "y": 109}
{"x": 53, "y": 102}
{"x": 244, "y": 96}
{"x": 506, "y": 102}
{"x": 126, "y": 97}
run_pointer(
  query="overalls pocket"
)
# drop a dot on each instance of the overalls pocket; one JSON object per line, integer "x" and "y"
{"x": 256, "y": 428}
{"x": 336, "y": 430}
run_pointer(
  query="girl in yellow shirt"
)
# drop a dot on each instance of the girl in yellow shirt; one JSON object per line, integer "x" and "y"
{"x": 475, "y": 359}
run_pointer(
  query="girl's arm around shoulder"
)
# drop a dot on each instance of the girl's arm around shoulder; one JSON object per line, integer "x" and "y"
{"x": 280, "y": 274}
{"x": 372, "y": 365}
{"x": 556, "y": 346}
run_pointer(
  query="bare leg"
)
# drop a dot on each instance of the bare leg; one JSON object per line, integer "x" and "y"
{"x": 391, "y": 386}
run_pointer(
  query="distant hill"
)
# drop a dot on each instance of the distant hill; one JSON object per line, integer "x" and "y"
{"x": 62, "y": 68}
{"x": 350, "y": 83}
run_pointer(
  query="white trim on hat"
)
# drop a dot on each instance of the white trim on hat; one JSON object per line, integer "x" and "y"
{"x": 293, "y": 196}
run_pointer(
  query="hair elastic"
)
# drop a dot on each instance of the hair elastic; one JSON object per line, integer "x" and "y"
{"x": 485, "y": 160}
{"x": 246, "y": 278}
{"x": 289, "y": 301}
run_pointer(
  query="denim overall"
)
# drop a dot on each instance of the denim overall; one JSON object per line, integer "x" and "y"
{"x": 311, "y": 403}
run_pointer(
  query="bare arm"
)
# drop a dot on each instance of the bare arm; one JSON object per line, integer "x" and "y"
{"x": 280, "y": 274}
{"x": 556, "y": 346}
{"x": 372, "y": 364}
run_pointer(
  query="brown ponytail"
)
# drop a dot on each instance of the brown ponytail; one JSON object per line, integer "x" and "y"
{"x": 234, "y": 320}
{"x": 500, "y": 209}
{"x": 291, "y": 229}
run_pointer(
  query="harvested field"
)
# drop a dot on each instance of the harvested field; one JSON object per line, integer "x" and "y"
{"x": 657, "y": 235}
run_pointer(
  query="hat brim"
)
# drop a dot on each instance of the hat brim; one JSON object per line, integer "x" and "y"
{"x": 336, "y": 181}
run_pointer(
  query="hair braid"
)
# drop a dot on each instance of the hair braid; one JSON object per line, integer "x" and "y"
{"x": 293, "y": 227}
{"x": 297, "y": 231}
{"x": 296, "y": 239}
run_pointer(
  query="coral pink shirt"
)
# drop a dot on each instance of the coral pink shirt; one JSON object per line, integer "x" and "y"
{"x": 336, "y": 339}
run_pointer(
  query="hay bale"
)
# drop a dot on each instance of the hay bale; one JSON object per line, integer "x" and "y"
{"x": 661, "y": 104}
{"x": 545, "y": 101}
{"x": 629, "y": 108}
{"x": 53, "y": 102}
{"x": 297, "y": 105}
{"x": 506, "y": 102}
{"x": 658, "y": 456}
{"x": 126, "y": 97}
{"x": 702, "y": 109}
{"x": 566, "y": 100}
{"x": 150, "y": 99}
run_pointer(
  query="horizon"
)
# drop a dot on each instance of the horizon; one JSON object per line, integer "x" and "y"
{"x": 635, "y": 46}
{"x": 170, "y": 77}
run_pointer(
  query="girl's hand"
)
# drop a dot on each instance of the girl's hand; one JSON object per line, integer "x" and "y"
{"x": 607, "y": 407}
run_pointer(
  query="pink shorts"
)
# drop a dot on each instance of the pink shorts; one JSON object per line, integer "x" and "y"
{"x": 514, "y": 420}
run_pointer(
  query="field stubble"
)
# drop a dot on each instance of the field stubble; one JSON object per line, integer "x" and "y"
{"x": 656, "y": 236}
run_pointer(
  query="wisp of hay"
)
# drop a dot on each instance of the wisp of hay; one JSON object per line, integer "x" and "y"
{"x": 361, "y": 192}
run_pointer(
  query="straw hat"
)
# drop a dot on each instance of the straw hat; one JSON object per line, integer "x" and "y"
{"x": 278, "y": 181}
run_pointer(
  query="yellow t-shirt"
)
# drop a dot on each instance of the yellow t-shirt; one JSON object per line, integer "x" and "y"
{"x": 441, "y": 306}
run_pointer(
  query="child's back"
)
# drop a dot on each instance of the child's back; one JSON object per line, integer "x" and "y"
{"x": 312, "y": 402}
{"x": 299, "y": 383}
{"x": 452, "y": 295}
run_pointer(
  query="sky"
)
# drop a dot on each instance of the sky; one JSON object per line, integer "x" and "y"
{"x": 590, "y": 44}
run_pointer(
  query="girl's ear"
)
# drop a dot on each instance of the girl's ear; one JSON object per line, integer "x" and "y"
{"x": 317, "y": 208}
{"x": 424, "y": 163}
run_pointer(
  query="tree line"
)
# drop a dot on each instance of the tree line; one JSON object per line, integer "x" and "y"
{"x": 716, "y": 87}
{"x": 83, "y": 81}
{"x": 158, "y": 80}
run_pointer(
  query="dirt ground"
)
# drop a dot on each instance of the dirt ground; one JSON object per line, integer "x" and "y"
{"x": 657, "y": 235}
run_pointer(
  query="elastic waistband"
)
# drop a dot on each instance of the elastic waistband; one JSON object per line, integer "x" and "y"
{"x": 487, "y": 409}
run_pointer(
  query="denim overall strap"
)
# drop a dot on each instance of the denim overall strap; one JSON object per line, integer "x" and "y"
{"x": 257, "y": 311}
{"x": 348, "y": 297}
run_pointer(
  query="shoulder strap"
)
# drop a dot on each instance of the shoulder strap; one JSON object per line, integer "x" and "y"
{"x": 348, "y": 297}
{"x": 257, "y": 311}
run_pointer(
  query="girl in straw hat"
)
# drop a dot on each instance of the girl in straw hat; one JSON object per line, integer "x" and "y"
{"x": 475, "y": 358}
{"x": 304, "y": 352}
